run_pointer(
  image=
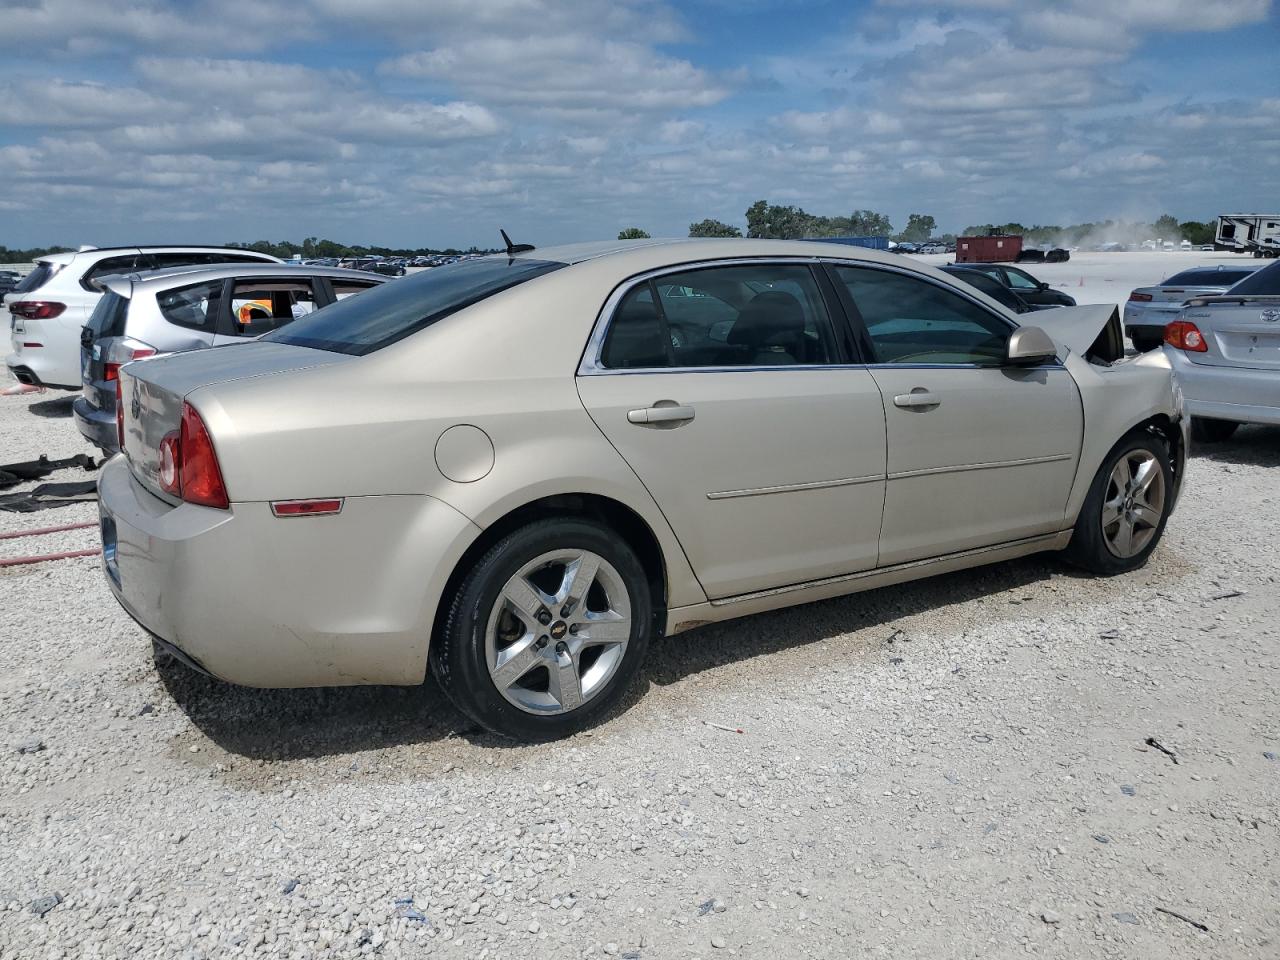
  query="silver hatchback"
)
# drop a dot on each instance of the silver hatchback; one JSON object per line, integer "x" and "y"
{"x": 184, "y": 308}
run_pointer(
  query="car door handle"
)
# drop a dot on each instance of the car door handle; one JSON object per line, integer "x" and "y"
{"x": 672, "y": 413}
{"x": 917, "y": 398}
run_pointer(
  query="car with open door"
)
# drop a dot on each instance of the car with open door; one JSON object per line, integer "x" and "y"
{"x": 551, "y": 456}
{"x": 144, "y": 315}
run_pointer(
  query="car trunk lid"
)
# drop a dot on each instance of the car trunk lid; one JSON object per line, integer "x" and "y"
{"x": 152, "y": 393}
{"x": 1239, "y": 331}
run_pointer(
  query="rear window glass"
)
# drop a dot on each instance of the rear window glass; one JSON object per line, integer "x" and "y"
{"x": 1206, "y": 278}
{"x": 38, "y": 277}
{"x": 108, "y": 317}
{"x": 1262, "y": 283}
{"x": 393, "y": 311}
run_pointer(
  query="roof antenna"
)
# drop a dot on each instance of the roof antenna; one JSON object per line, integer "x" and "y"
{"x": 514, "y": 247}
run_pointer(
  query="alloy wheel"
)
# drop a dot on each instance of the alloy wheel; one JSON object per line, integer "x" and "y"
{"x": 558, "y": 631}
{"x": 1134, "y": 503}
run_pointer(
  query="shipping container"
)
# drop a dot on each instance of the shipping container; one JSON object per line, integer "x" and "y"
{"x": 988, "y": 249}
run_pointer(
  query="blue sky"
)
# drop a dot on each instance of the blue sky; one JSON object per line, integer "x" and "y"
{"x": 414, "y": 123}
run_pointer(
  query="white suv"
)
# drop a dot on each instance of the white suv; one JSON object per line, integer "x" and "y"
{"x": 50, "y": 304}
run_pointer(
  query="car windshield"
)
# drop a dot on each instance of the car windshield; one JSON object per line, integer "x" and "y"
{"x": 1262, "y": 283}
{"x": 393, "y": 311}
{"x": 1206, "y": 278}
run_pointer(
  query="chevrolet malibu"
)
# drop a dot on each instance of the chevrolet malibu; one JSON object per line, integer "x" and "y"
{"x": 516, "y": 471}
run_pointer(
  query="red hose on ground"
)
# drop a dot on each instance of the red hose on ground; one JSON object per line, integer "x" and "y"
{"x": 16, "y": 561}
{"x": 35, "y": 533}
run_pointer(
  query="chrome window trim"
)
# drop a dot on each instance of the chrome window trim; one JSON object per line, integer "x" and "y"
{"x": 590, "y": 365}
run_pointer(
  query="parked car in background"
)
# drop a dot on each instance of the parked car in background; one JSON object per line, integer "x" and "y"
{"x": 170, "y": 311}
{"x": 1035, "y": 292}
{"x": 370, "y": 488}
{"x": 1225, "y": 351}
{"x": 993, "y": 288}
{"x": 374, "y": 265}
{"x": 8, "y": 280}
{"x": 51, "y": 303}
{"x": 1150, "y": 309}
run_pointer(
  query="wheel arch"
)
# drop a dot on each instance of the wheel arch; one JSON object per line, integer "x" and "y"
{"x": 614, "y": 514}
{"x": 1161, "y": 425}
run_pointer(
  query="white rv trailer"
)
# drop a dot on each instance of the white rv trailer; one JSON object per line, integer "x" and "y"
{"x": 1256, "y": 233}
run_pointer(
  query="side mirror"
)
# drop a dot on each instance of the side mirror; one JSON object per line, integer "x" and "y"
{"x": 1029, "y": 346}
{"x": 1042, "y": 285}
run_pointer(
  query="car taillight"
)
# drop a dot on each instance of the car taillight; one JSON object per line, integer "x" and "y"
{"x": 1185, "y": 335}
{"x": 1140, "y": 297}
{"x": 170, "y": 451}
{"x": 37, "y": 309}
{"x": 119, "y": 416}
{"x": 197, "y": 474}
{"x": 111, "y": 369}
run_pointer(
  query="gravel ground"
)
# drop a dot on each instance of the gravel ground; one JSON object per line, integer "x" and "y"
{"x": 958, "y": 767}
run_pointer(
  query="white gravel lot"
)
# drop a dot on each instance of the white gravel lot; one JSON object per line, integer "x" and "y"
{"x": 953, "y": 768}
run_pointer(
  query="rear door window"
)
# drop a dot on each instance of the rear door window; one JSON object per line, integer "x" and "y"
{"x": 261, "y": 305}
{"x": 1261, "y": 283}
{"x": 765, "y": 314}
{"x": 193, "y": 306}
{"x": 345, "y": 288}
{"x": 393, "y": 311}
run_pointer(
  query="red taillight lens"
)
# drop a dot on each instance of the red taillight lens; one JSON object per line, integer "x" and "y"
{"x": 199, "y": 476}
{"x": 1140, "y": 297}
{"x": 37, "y": 309}
{"x": 1185, "y": 335}
{"x": 111, "y": 369}
{"x": 119, "y": 416}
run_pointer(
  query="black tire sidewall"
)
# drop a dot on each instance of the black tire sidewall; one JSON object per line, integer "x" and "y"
{"x": 1206, "y": 430}
{"x": 1088, "y": 549}
{"x": 460, "y": 658}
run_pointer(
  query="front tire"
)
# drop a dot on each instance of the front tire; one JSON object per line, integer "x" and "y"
{"x": 1212, "y": 431}
{"x": 547, "y": 631}
{"x": 1125, "y": 512}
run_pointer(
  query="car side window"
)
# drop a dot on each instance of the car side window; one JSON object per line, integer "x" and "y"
{"x": 345, "y": 288}
{"x": 106, "y": 267}
{"x": 912, "y": 320}
{"x": 192, "y": 306}
{"x": 260, "y": 306}
{"x": 1021, "y": 281}
{"x": 765, "y": 314}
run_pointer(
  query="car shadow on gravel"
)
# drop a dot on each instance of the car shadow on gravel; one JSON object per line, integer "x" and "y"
{"x": 333, "y": 721}
{"x": 1256, "y": 446}
{"x": 58, "y": 408}
{"x": 315, "y": 722}
{"x": 674, "y": 658}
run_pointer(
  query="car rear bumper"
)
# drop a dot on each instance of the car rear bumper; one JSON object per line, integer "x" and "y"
{"x": 264, "y": 601}
{"x": 27, "y": 368}
{"x": 96, "y": 426}
{"x": 1239, "y": 394}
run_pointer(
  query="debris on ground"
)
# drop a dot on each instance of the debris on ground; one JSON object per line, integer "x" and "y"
{"x": 1156, "y": 744}
{"x": 1185, "y": 919}
{"x": 11, "y": 474}
{"x": 49, "y": 495}
{"x": 42, "y": 905}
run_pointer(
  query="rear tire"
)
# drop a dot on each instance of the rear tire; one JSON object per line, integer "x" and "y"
{"x": 547, "y": 631}
{"x": 1145, "y": 344}
{"x": 1125, "y": 512}
{"x": 1204, "y": 430}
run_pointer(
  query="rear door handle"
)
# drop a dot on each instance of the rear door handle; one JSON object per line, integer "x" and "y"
{"x": 919, "y": 397}
{"x": 660, "y": 414}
